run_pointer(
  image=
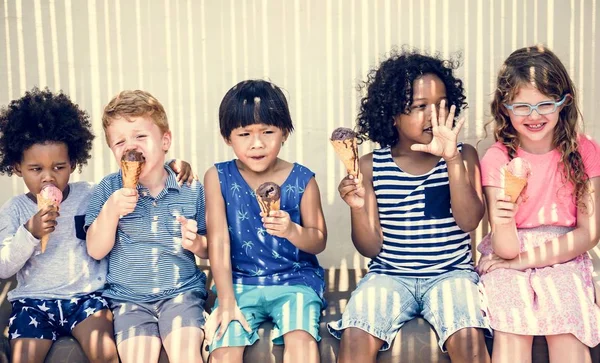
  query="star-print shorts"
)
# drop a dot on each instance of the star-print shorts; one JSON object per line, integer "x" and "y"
{"x": 51, "y": 319}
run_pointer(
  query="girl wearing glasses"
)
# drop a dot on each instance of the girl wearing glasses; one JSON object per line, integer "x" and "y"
{"x": 536, "y": 271}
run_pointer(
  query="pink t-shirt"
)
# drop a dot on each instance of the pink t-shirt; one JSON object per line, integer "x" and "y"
{"x": 549, "y": 200}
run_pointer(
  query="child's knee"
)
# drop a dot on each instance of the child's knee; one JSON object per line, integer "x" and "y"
{"x": 299, "y": 338}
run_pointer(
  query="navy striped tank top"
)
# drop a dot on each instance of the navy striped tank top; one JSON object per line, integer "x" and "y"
{"x": 420, "y": 236}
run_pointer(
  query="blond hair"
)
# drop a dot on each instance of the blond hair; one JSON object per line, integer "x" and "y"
{"x": 134, "y": 103}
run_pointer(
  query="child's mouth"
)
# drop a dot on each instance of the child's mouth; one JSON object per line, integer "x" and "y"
{"x": 257, "y": 158}
{"x": 428, "y": 130}
{"x": 535, "y": 127}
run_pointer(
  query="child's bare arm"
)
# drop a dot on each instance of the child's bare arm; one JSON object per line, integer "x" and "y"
{"x": 501, "y": 213}
{"x": 102, "y": 232}
{"x": 309, "y": 237}
{"x": 466, "y": 196}
{"x": 364, "y": 216}
{"x": 219, "y": 255}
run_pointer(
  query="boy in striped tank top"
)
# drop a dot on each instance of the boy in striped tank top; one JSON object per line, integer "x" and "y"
{"x": 420, "y": 196}
{"x": 150, "y": 235}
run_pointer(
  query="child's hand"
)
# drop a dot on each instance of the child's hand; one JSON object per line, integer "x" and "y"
{"x": 493, "y": 262}
{"x": 277, "y": 223}
{"x": 504, "y": 210}
{"x": 445, "y": 134}
{"x": 43, "y": 222}
{"x": 124, "y": 201}
{"x": 184, "y": 172}
{"x": 189, "y": 230}
{"x": 352, "y": 192}
{"x": 225, "y": 313}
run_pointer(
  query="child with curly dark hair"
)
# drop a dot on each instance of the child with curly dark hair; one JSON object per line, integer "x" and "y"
{"x": 419, "y": 197}
{"x": 536, "y": 271}
{"x": 44, "y": 138}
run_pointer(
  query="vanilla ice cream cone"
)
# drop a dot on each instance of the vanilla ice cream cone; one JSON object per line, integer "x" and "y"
{"x": 513, "y": 185}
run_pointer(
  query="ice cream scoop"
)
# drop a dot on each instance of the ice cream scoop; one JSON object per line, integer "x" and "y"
{"x": 345, "y": 144}
{"x": 49, "y": 195}
{"x": 268, "y": 196}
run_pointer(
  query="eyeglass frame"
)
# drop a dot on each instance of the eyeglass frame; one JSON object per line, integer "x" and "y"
{"x": 557, "y": 104}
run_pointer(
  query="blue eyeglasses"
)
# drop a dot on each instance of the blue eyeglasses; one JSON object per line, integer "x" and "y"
{"x": 542, "y": 108}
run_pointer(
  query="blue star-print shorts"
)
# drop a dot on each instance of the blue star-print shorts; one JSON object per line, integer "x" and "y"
{"x": 51, "y": 319}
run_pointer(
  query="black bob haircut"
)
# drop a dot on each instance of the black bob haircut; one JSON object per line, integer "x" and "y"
{"x": 254, "y": 102}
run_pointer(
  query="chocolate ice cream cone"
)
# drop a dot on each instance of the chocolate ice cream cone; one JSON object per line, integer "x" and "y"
{"x": 347, "y": 151}
{"x": 268, "y": 196}
{"x": 131, "y": 171}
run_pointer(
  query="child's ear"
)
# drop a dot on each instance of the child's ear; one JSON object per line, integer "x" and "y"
{"x": 73, "y": 167}
{"x": 166, "y": 141}
{"x": 17, "y": 170}
{"x": 227, "y": 141}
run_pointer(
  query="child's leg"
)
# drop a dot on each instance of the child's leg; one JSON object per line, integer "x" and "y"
{"x": 180, "y": 324}
{"x": 32, "y": 329}
{"x": 300, "y": 346}
{"x": 140, "y": 349}
{"x": 184, "y": 345}
{"x": 378, "y": 308}
{"x": 26, "y": 350}
{"x": 227, "y": 355}
{"x": 452, "y": 305}
{"x": 358, "y": 345}
{"x": 96, "y": 337}
{"x": 567, "y": 348}
{"x": 511, "y": 348}
{"x": 296, "y": 311}
{"x": 136, "y": 332}
{"x": 91, "y": 322}
{"x": 230, "y": 348}
{"x": 467, "y": 345}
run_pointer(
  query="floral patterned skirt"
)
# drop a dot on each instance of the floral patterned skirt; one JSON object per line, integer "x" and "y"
{"x": 557, "y": 299}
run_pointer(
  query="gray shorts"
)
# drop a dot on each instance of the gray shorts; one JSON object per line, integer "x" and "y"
{"x": 159, "y": 318}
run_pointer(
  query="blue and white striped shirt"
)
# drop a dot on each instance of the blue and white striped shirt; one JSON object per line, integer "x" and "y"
{"x": 147, "y": 262}
{"x": 420, "y": 236}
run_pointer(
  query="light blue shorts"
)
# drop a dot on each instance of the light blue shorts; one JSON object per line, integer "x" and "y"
{"x": 290, "y": 308}
{"x": 381, "y": 304}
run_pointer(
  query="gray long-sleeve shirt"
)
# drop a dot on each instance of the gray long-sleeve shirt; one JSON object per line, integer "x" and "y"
{"x": 65, "y": 270}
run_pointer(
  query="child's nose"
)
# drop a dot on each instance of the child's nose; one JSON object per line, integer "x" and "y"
{"x": 534, "y": 115}
{"x": 257, "y": 142}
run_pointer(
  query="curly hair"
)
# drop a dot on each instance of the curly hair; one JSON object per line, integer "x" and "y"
{"x": 540, "y": 67}
{"x": 390, "y": 92}
{"x": 42, "y": 117}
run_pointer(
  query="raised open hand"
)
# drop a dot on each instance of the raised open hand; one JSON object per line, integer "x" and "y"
{"x": 445, "y": 133}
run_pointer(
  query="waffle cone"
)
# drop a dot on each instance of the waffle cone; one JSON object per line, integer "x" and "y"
{"x": 267, "y": 206}
{"x": 347, "y": 151}
{"x": 513, "y": 185}
{"x": 131, "y": 170}
{"x": 43, "y": 203}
